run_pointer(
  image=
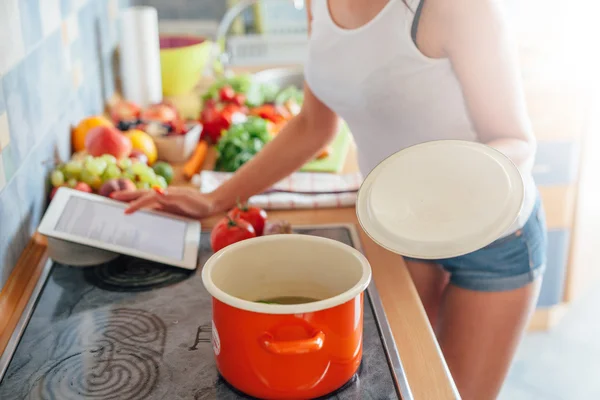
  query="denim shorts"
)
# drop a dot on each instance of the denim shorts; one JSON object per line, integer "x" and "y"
{"x": 508, "y": 263}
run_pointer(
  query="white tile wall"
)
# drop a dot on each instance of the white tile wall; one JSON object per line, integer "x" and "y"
{"x": 12, "y": 49}
{"x": 4, "y": 133}
{"x": 50, "y": 15}
{"x": 2, "y": 174}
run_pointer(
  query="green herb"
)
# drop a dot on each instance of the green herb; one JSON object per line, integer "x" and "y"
{"x": 240, "y": 143}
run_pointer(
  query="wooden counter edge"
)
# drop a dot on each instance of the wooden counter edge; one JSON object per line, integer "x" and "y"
{"x": 19, "y": 287}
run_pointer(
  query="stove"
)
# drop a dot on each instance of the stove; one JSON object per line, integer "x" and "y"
{"x": 132, "y": 329}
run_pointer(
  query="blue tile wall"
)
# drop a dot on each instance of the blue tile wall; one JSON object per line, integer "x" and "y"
{"x": 65, "y": 7}
{"x": 2, "y": 102}
{"x": 12, "y": 235}
{"x": 31, "y": 23}
{"x": 40, "y": 101}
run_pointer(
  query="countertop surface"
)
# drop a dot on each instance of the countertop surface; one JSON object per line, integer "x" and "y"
{"x": 425, "y": 368}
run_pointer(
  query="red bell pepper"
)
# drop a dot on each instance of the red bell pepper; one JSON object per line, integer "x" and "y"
{"x": 226, "y": 94}
{"x": 218, "y": 118}
{"x": 272, "y": 113}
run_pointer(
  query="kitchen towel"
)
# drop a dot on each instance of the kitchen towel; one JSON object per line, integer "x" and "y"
{"x": 140, "y": 56}
{"x": 302, "y": 190}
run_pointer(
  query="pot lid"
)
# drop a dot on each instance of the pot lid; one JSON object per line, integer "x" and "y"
{"x": 440, "y": 199}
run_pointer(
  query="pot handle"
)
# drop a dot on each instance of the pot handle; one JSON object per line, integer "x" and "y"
{"x": 293, "y": 347}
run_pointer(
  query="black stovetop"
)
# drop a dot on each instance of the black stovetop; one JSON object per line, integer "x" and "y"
{"x": 136, "y": 330}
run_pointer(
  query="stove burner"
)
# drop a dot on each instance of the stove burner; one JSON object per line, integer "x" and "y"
{"x": 113, "y": 357}
{"x": 127, "y": 274}
{"x": 130, "y": 376}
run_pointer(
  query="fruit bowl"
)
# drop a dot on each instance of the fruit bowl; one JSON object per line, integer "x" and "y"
{"x": 176, "y": 149}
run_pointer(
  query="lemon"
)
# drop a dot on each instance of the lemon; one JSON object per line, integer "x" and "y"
{"x": 143, "y": 142}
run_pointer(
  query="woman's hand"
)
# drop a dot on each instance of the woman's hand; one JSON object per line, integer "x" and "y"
{"x": 187, "y": 202}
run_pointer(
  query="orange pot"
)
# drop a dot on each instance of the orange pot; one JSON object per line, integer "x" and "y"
{"x": 298, "y": 351}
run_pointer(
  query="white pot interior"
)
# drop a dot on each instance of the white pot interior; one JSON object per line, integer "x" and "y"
{"x": 286, "y": 265}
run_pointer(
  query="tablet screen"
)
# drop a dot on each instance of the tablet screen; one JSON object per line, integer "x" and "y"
{"x": 106, "y": 223}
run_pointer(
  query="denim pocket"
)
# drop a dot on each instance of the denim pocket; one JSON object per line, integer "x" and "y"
{"x": 536, "y": 237}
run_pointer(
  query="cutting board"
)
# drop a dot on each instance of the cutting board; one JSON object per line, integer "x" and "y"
{"x": 336, "y": 160}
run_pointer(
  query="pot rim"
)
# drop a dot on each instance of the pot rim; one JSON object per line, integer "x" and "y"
{"x": 262, "y": 308}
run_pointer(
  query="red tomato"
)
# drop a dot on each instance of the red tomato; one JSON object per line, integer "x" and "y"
{"x": 229, "y": 231}
{"x": 226, "y": 94}
{"x": 239, "y": 100}
{"x": 257, "y": 217}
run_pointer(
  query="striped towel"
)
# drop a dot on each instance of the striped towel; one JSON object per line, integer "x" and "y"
{"x": 301, "y": 190}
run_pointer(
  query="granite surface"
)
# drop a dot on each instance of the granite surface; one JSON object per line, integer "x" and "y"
{"x": 99, "y": 334}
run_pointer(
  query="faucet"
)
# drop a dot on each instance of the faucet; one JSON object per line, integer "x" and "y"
{"x": 219, "y": 47}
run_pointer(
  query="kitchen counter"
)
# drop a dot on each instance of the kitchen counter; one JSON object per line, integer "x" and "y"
{"x": 424, "y": 366}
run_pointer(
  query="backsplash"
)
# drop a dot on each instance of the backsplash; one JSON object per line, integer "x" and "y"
{"x": 56, "y": 66}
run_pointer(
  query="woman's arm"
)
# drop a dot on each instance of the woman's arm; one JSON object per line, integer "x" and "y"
{"x": 297, "y": 143}
{"x": 478, "y": 42}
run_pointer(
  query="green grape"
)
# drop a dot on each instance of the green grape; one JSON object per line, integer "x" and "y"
{"x": 125, "y": 163}
{"x": 111, "y": 172}
{"x": 93, "y": 180}
{"x": 72, "y": 169}
{"x": 88, "y": 158}
{"x": 147, "y": 176}
{"x": 140, "y": 168}
{"x": 109, "y": 158}
{"x": 72, "y": 182}
{"x": 57, "y": 178}
{"x": 142, "y": 185}
{"x": 128, "y": 174}
{"x": 96, "y": 166}
{"x": 161, "y": 181}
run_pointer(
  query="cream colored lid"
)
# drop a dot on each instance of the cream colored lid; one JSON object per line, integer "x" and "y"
{"x": 440, "y": 199}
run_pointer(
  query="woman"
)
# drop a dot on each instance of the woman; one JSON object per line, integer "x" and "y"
{"x": 400, "y": 73}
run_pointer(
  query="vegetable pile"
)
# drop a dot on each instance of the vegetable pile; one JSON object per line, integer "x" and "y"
{"x": 229, "y": 100}
{"x": 233, "y": 105}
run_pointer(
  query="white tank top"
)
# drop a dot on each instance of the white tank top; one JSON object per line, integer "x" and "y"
{"x": 390, "y": 94}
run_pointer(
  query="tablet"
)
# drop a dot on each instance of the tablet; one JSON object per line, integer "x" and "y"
{"x": 100, "y": 222}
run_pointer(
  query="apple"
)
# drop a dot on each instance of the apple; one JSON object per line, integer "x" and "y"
{"x": 125, "y": 111}
{"x": 107, "y": 140}
{"x": 138, "y": 155}
{"x": 53, "y": 191}
{"x": 116, "y": 185}
{"x": 160, "y": 112}
{"x": 83, "y": 187}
